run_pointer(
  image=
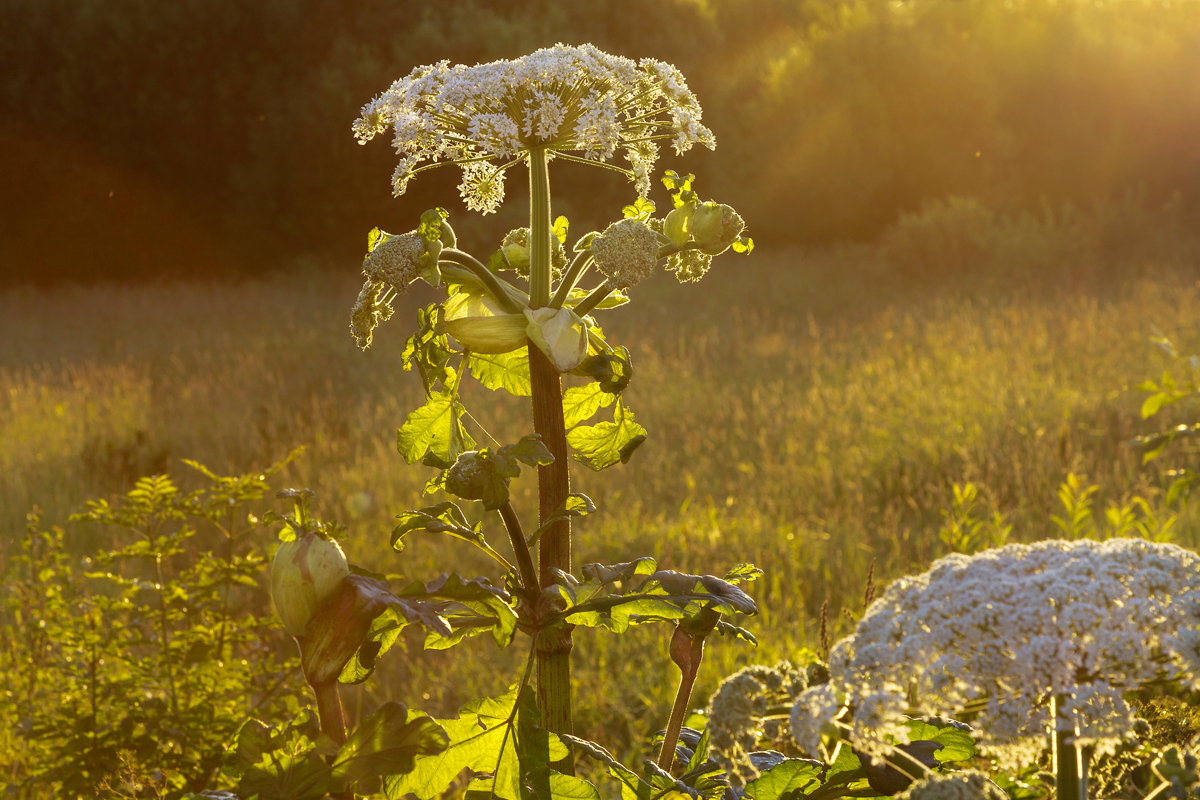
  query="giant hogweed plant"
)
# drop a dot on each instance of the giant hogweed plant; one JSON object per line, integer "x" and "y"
{"x": 521, "y": 320}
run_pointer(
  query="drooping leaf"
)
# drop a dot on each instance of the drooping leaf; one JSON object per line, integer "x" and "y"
{"x": 632, "y": 784}
{"x": 386, "y": 627}
{"x": 281, "y": 762}
{"x": 444, "y": 517}
{"x": 470, "y": 606}
{"x": 434, "y": 434}
{"x": 386, "y": 743}
{"x": 428, "y": 350}
{"x": 612, "y": 370}
{"x": 607, "y": 443}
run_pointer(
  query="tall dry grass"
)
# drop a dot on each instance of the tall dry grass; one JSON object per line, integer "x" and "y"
{"x": 808, "y": 412}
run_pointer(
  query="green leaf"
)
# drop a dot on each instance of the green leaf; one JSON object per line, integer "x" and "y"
{"x": 743, "y": 572}
{"x": 385, "y": 630}
{"x": 955, "y": 738}
{"x": 790, "y": 775}
{"x": 607, "y": 443}
{"x": 580, "y": 403}
{"x": 386, "y": 743}
{"x": 743, "y": 244}
{"x": 632, "y": 784}
{"x": 374, "y": 237}
{"x": 434, "y": 434}
{"x": 444, "y": 517}
{"x": 640, "y": 209}
{"x": 1154, "y": 403}
{"x": 495, "y": 739}
{"x": 474, "y": 606}
{"x": 508, "y": 371}
{"x": 613, "y": 370}
{"x": 281, "y": 762}
{"x": 575, "y": 505}
{"x": 559, "y": 229}
{"x": 529, "y": 449}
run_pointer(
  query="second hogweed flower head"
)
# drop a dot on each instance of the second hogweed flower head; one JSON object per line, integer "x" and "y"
{"x": 577, "y": 102}
{"x": 1085, "y": 622}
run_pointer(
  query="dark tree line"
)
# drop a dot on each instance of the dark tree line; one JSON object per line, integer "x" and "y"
{"x": 195, "y": 137}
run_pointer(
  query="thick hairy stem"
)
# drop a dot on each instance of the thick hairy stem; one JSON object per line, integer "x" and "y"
{"x": 554, "y": 482}
{"x": 539, "y": 228}
{"x": 554, "y": 546}
{"x": 1070, "y": 760}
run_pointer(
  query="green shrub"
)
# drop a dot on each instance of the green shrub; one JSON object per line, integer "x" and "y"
{"x": 127, "y": 671}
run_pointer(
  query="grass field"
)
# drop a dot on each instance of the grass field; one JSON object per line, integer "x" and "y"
{"x": 810, "y": 412}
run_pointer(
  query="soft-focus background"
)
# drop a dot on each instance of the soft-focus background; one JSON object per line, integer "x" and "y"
{"x": 198, "y": 137}
{"x": 973, "y": 219}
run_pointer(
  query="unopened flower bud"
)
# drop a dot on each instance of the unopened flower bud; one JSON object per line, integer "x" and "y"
{"x": 515, "y": 249}
{"x": 560, "y": 334}
{"x": 716, "y": 227}
{"x": 340, "y": 627}
{"x": 466, "y": 477}
{"x": 480, "y": 324}
{"x": 304, "y": 573}
{"x": 517, "y": 257}
{"x": 677, "y": 225}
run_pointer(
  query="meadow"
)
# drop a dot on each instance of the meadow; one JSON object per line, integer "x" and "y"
{"x": 814, "y": 411}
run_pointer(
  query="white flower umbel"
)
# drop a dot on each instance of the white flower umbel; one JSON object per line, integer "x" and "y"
{"x": 574, "y": 101}
{"x": 1014, "y": 627}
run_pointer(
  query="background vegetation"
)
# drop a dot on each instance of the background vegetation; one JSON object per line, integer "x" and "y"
{"x": 974, "y": 218}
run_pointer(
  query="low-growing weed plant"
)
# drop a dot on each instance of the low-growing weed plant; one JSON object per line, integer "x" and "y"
{"x": 127, "y": 671}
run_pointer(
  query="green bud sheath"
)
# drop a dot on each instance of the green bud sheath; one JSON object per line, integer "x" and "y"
{"x": 304, "y": 573}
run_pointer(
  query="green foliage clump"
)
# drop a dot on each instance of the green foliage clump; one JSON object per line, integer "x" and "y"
{"x": 127, "y": 671}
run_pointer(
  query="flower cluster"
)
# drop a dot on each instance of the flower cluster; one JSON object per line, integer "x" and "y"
{"x": 396, "y": 260}
{"x": 1081, "y": 622}
{"x": 954, "y": 786}
{"x": 735, "y": 715}
{"x": 564, "y": 99}
{"x": 627, "y": 251}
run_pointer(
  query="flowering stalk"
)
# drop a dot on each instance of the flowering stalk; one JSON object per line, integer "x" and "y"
{"x": 687, "y": 650}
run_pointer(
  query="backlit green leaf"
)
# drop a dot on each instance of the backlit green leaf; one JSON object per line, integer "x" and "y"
{"x": 508, "y": 371}
{"x": 791, "y": 775}
{"x": 495, "y": 739}
{"x": 384, "y": 744}
{"x": 607, "y": 443}
{"x": 580, "y": 403}
{"x": 434, "y": 434}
